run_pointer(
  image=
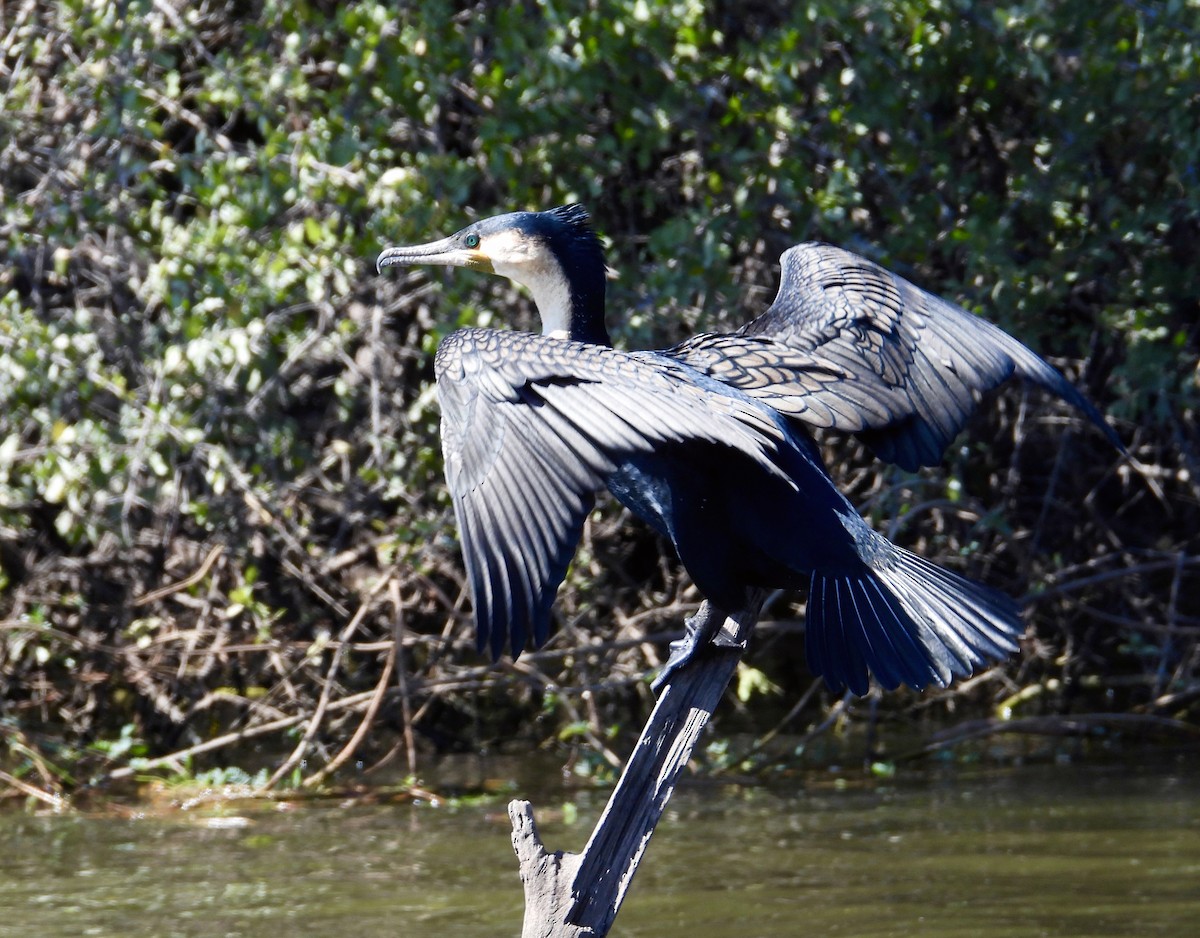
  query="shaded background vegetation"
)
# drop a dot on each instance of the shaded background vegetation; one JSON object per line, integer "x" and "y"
{"x": 220, "y": 487}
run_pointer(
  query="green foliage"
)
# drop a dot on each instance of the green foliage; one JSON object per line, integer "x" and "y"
{"x": 123, "y": 747}
{"x": 751, "y": 681}
{"x": 218, "y": 777}
{"x": 194, "y": 350}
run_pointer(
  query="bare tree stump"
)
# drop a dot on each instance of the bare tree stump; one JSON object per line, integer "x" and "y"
{"x": 569, "y": 895}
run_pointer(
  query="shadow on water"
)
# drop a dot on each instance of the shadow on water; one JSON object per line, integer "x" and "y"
{"x": 1066, "y": 850}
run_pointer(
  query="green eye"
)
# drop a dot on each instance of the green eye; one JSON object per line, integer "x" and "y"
{"x": 471, "y": 240}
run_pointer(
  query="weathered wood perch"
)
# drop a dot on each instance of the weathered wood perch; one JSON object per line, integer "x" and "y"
{"x": 571, "y": 895}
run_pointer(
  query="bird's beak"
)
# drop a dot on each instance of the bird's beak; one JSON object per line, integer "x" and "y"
{"x": 449, "y": 252}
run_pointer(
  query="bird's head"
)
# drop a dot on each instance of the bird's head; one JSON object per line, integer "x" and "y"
{"x": 554, "y": 254}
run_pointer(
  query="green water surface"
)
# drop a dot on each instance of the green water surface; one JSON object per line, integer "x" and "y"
{"x": 1063, "y": 850}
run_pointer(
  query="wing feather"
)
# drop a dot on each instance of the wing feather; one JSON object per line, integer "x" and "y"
{"x": 851, "y": 346}
{"x": 533, "y": 426}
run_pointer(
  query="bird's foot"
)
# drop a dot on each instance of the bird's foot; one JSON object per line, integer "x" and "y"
{"x": 697, "y": 634}
{"x": 681, "y": 653}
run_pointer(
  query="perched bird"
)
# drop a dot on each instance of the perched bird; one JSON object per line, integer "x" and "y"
{"x": 707, "y": 443}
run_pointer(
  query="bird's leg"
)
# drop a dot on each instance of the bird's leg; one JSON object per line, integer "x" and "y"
{"x": 699, "y": 630}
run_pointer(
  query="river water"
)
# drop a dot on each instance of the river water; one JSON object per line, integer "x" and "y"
{"x": 1078, "y": 849}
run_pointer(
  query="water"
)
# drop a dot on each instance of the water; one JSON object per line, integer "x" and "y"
{"x": 1075, "y": 850}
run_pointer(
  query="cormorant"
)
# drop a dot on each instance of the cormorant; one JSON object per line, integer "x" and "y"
{"x": 707, "y": 443}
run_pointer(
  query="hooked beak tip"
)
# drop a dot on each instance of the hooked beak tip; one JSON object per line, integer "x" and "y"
{"x": 385, "y": 259}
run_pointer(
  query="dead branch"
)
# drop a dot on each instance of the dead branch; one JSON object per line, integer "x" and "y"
{"x": 568, "y": 895}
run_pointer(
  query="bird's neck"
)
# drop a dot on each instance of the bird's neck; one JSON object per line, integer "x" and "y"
{"x": 567, "y": 311}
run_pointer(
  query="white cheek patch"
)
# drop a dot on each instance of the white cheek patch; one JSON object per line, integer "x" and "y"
{"x": 507, "y": 247}
{"x": 531, "y": 264}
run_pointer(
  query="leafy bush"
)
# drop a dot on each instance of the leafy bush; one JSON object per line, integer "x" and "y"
{"x": 196, "y": 352}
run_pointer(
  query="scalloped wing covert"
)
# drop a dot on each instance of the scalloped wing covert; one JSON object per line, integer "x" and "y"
{"x": 851, "y": 346}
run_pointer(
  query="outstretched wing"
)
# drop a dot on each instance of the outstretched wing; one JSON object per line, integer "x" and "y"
{"x": 532, "y": 426}
{"x": 851, "y": 346}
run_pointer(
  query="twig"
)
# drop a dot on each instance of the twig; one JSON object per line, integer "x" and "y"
{"x": 191, "y": 580}
{"x": 1171, "y": 562}
{"x": 184, "y": 114}
{"x": 229, "y": 739}
{"x": 364, "y": 725}
{"x": 55, "y": 801}
{"x": 763, "y": 741}
{"x": 410, "y": 746}
{"x": 589, "y": 725}
{"x": 1074, "y": 725}
{"x": 327, "y": 690}
{"x": 1164, "y": 673}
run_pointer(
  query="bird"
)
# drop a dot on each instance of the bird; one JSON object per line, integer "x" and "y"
{"x": 708, "y": 442}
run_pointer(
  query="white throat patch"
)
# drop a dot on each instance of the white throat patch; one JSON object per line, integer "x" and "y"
{"x": 533, "y": 266}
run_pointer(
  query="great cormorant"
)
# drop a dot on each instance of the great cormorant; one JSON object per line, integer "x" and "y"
{"x": 707, "y": 443}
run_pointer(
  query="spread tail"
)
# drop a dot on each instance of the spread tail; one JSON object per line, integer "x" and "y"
{"x": 905, "y": 620}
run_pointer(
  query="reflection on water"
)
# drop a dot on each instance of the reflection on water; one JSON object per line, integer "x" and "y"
{"x": 1076, "y": 850}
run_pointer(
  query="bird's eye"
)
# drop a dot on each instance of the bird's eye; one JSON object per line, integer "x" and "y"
{"x": 471, "y": 240}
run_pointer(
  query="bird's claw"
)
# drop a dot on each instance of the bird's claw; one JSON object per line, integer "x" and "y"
{"x": 684, "y": 650}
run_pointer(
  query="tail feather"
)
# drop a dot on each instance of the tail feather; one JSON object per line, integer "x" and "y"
{"x": 905, "y": 620}
{"x": 815, "y": 647}
{"x": 845, "y": 645}
{"x": 890, "y": 638}
{"x": 877, "y": 642}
